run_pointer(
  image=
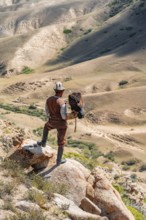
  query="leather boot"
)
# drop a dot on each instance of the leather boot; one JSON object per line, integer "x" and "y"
{"x": 43, "y": 142}
{"x": 59, "y": 156}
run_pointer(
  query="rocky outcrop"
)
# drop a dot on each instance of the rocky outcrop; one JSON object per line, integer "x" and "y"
{"x": 11, "y": 136}
{"x": 30, "y": 154}
{"x": 95, "y": 186}
{"x": 107, "y": 198}
{"x": 90, "y": 194}
{"x": 73, "y": 210}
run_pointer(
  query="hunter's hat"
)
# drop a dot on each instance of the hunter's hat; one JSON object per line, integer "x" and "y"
{"x": 59, "y": 87}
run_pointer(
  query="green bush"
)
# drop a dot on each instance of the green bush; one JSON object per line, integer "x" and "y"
{"x": 88, "y": 31}
{"x": 32, "y": 106}
{"x": 110, "y": 156}
{"x": 118, "y": 5}
{"x": 86, "y": 161}
{"x": 67, "y": 31}
{"x": 119, "y": 188}
{"x": 137, "y": 214}
{"x": 123, "y": 82}
{"x": 130, "y": 162}
{"x": 142, "y": 168}
{"x": 26, "y": 70}
{"x": 89, "y": 149}
{"x": 125, "y": 167}
{"x": 36, "y": 197}
{"x": 24, "y": 110}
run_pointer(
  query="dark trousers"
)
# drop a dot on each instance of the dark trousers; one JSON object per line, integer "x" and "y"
{"x": 61, "y": 128}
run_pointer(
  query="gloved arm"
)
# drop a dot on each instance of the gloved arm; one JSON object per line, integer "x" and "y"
{"x": 71, "y": 115}
{"x": 63, "y": 111}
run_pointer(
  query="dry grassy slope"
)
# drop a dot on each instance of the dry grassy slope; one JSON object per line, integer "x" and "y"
{"x": 50, "y": 19}
{"x": 119, "y": 109}
{"x": 123, "y": 34}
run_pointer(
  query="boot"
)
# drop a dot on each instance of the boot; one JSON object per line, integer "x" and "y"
{"x": 43, "y": 142}
{"x": 59, "y": 156}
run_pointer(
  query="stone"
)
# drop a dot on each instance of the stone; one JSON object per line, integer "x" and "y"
{"x": 26, "y": 206}
{"x": 72, "y": 174}
{"x": 74, "y": 212}
{"x": 89, "y": 206}
{"x": 30, "y": 154}
{"x": 109, "y": 200}
{"x": 90, "y": 191}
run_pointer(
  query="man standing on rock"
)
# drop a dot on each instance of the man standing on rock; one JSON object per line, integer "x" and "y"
{"x": 57, "y": 113}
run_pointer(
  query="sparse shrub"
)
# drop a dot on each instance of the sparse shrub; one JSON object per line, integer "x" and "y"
{"x": 142, "y": 168}
{"x": 118, "y": 5}
{"x": 24, "y": 110}
{"x": 137, "y": 214}
{"x": 133, "y": 177}
{"x": 125, "y": 167}
{"x": 132, "y": 35}
{"x": 86, "y": 161}
{"x": 14, "y": 170}
{"x": 49, "y": 187}
{"x": 129, "y": 28}
{"x": 67, "y": 79}
{"x": 88, "y": 31}
{"x": 123, "y": 82}
{"x": 119, "y": 188}
{"x": 6, "y": 188}
{"x": 31, "y": 215}
{"x": 130, "y": 162}
{"x": 36, "y": 197}
{"x": 58, "y": 212}
{"x": 116, "y": 177}
{"x": 32, "y": 106}
{"x": 26, "y": 70}
{"x": 110, "y": 156}
{"x": 8, "y": 205}
{"x": 89, "y": 150}
{"x": 106, "y": 50}
{"x": 67, "y": 31}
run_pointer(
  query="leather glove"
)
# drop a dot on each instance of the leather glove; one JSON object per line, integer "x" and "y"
{"x": 72, "y": 115}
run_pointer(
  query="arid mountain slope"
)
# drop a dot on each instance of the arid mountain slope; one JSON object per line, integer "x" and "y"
{"x": 110, "y": 39}
{"x": 41, "y": 24}
{"x": 121, "y": 35}
{"x": 64, "y": 32}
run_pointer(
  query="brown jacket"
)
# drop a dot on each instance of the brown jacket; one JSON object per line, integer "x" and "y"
{"x": 53, "y": 105}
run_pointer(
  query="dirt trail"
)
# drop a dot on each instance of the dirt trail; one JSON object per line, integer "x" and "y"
{"x": 120, "y": 136}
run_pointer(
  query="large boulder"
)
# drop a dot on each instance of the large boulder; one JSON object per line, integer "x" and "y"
{"x": 74, "y": 211}
{"x": 74, "y": 175}
{"x": 91, "y": 191}
{"x": 107, "y": 198}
